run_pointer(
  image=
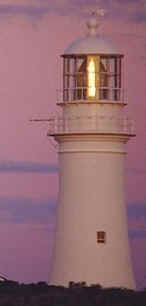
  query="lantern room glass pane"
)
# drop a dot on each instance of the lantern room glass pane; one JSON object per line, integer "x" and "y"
{"x": 80, "y": 79}
{"x": 92, "y": 79}
{"x": 66, "y": 65}
{"x": 80, "y": 65}
{"x": 72, "y": 66}
{"x": 112, "y": 65}
{"x": 110, "y": 78}
{"x": 103, "y": 92}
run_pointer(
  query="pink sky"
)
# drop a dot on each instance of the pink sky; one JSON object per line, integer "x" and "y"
{"x": 33, "y": 34}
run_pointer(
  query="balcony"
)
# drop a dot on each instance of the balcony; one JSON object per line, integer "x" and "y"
{"x": 91, "y": 124}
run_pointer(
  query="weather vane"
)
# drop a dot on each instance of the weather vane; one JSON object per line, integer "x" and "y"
{"x": 92, "y": 22}
{"x": 95, "y": 11}
{"x": 98, "y": 12}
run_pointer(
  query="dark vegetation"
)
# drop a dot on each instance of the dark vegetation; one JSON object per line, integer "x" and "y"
{"x": 40, "y": 294}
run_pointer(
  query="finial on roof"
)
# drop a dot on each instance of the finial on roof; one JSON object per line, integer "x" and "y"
{"x": 92, "y": 23}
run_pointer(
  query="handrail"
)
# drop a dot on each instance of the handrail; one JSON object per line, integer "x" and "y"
{"x": 104, "y": 94}
{"x": 95, "y": 124}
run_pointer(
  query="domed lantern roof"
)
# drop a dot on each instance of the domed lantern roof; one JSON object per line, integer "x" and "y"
{"x": 92, "y": 43}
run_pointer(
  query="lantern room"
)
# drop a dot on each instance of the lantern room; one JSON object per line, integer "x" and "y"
{"x": 92, "y": 69}
{"x": 92, "y": 77}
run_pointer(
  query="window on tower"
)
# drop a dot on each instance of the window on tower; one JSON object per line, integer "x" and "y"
{"x": 101, "y": 237}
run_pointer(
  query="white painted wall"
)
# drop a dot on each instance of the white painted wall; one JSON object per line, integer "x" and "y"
{"x": 91, "y": 199}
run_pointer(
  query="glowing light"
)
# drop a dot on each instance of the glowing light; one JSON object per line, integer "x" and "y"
{"x": 91, "y": 78}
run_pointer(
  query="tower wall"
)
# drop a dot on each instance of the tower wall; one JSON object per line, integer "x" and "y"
{"x": 91, "y": 199}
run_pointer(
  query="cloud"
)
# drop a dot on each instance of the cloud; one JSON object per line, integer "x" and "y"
{"x": 137, "y": 210}
{"x": 32, "y": 8}
{"x": 21, "y": 210}
{"x": 140, "y": 16}
{"x": 137, "y": 234}
{"x": 30, "y": 11}
{"x": 139, "y": 171}
{"x": 25, "y": 10}
{"x": 39, "y": 8}
{"x": 131, "y": 10}
{"x": 27, "y": 167}
{"x": 137, "y": 220}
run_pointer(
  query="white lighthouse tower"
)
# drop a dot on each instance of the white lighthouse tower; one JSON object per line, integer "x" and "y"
{"x": 91, "y": 242}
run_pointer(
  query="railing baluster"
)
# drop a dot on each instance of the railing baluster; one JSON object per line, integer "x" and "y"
{"x": 68, "y": 95}
{"x": 93, "y": 123}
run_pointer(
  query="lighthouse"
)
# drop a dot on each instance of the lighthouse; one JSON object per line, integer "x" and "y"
{"x": 91, "y": 131}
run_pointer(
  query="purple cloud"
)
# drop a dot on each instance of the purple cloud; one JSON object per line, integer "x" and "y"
{"x": 27, "y": 167}
{"x": 139, "y": 16}
{"x": 136, "y": 171}
{"x": 121, "y": 9}
{"x": 137, "y": 210}
{"x": 137, "y": 213}
{"x": 26, "y": 10}
{"x": 125, "y": 2}
{"x": 26, "y": 210}
{"x": 137, "y": 234}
